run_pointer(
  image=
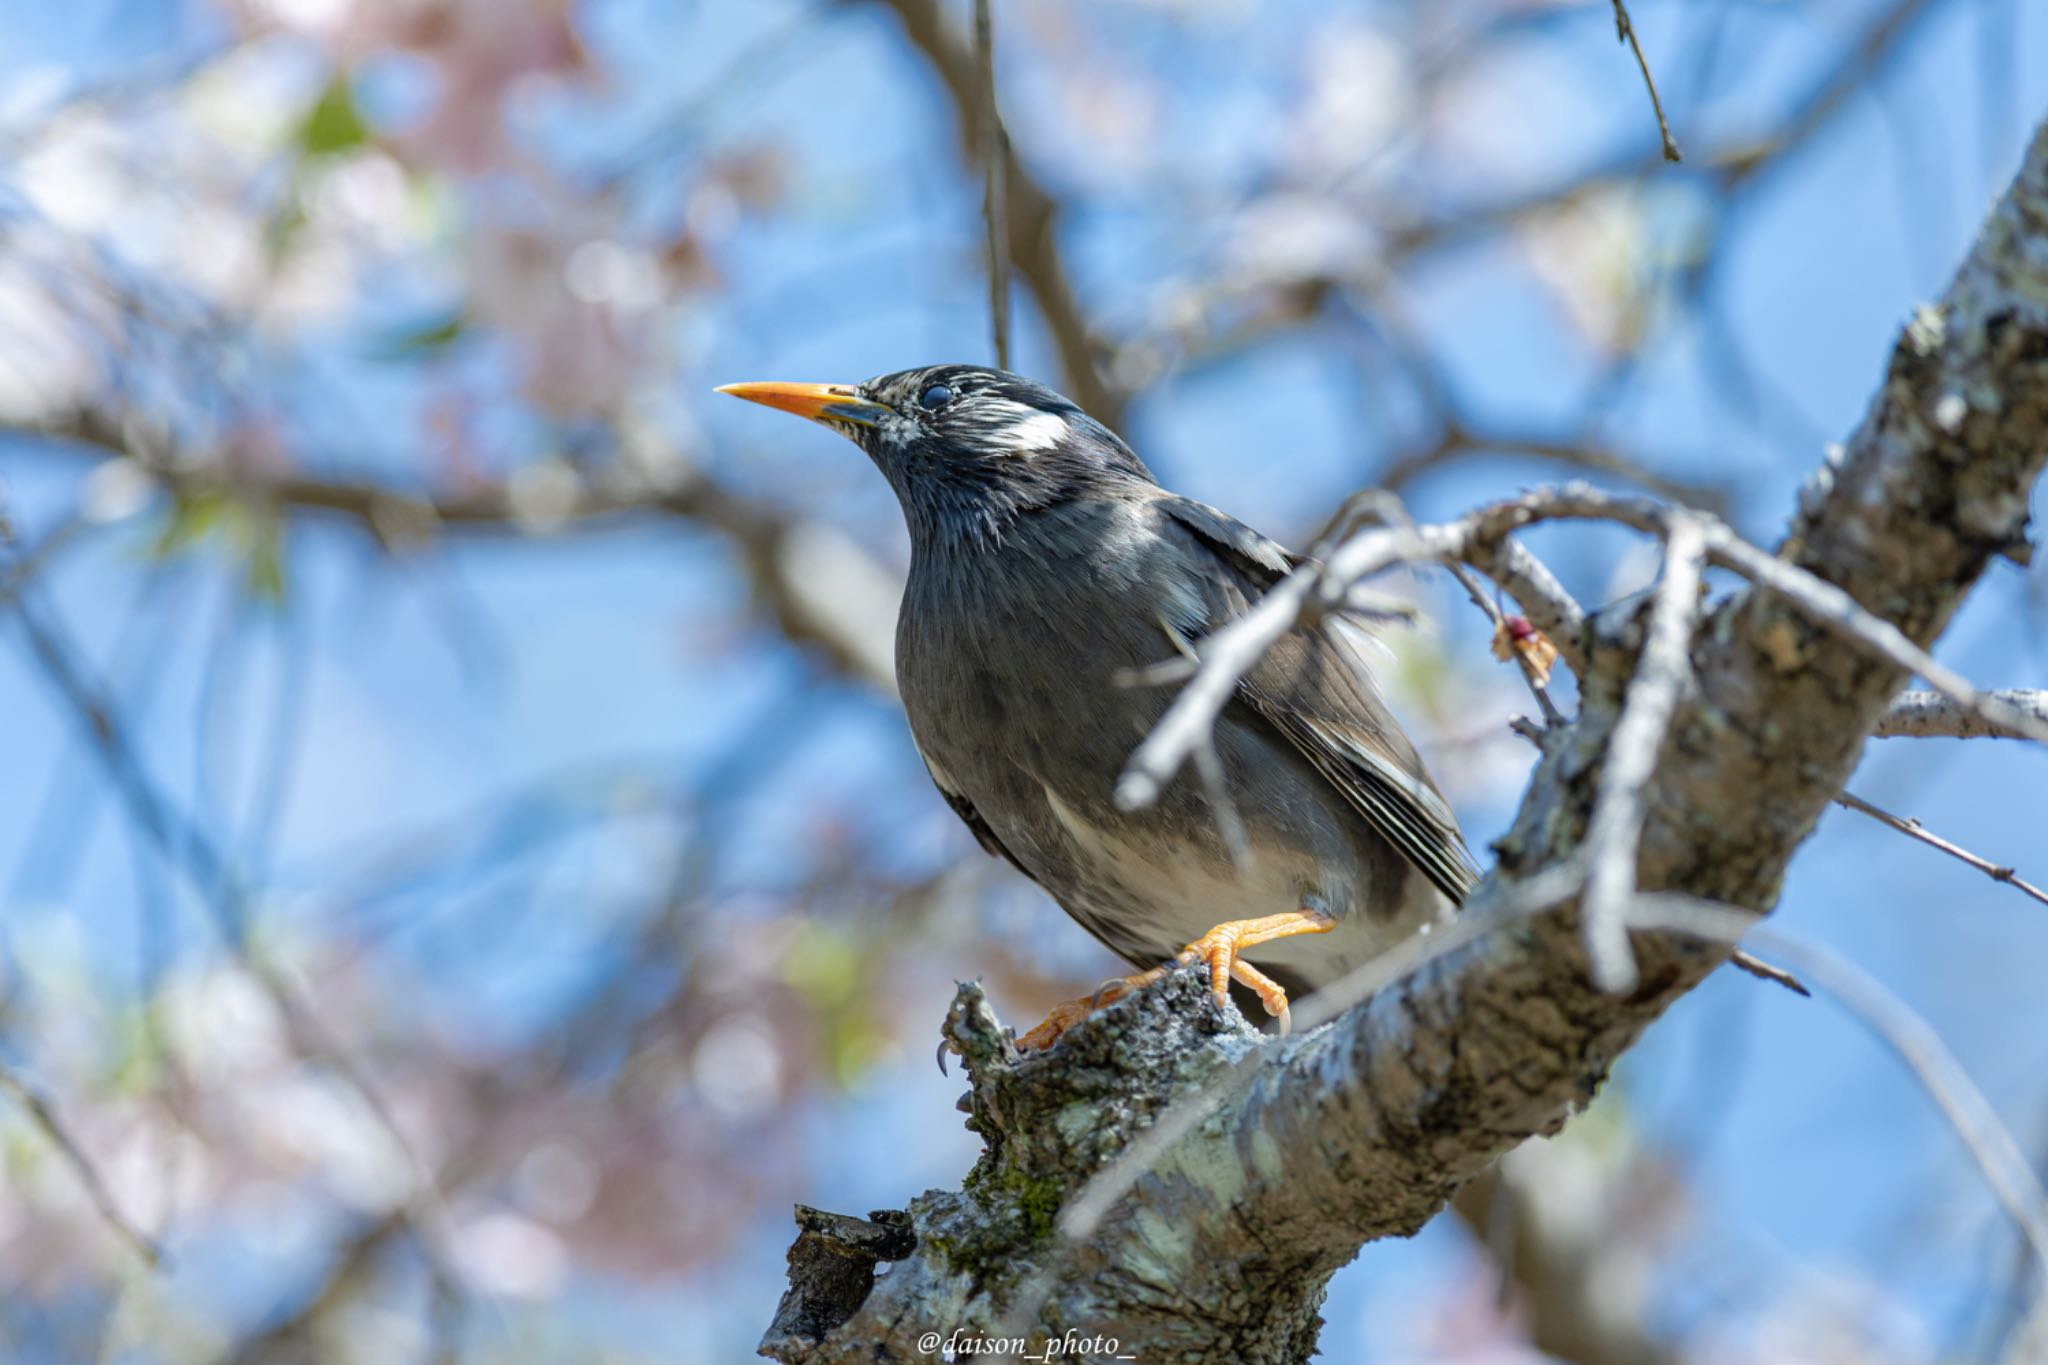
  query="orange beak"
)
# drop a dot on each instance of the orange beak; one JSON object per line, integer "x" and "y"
{"x": 819, "y": 402}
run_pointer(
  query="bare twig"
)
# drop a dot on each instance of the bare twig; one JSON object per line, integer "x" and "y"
{"x": 1227, "y": 655}
{"x": 1385, "y": 506}
{"x": 1616, "y": 826}
{"x": 43, "y": 1115}
{"x": 1478, "y": 538}
{"x": 1625, "y": 31}
{"x": 185, "y": 846}
{"x": 1764, "y": 971}
{"x": 1929, "y": 715}
{"x": 1906, "y": 1033}
{"x": 995, "y": 211}
{"x": 1534, "y": 676}
{"x": 1913, "y": 829}
{"x": 1834, "y": 608}
{"x": 1580, "y": 454}
{"x": 1033, "y": 215}
{"x": 1517, "y": 571}
{"x": 1815, "y": 597}
{"x": 821, "y": 588}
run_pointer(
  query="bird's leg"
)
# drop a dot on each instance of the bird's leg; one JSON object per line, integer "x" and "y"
{"x": 1218, "y": 950}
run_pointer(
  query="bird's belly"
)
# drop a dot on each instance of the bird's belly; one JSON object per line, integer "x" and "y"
{"x": 1143, "y": 886}
{"x": 1164, "y": 892}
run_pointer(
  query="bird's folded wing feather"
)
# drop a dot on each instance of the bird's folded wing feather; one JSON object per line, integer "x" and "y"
{"x": 1314, "y": 689}
{"x": 971, "y": 817}
{"x": 1261, "y": 558}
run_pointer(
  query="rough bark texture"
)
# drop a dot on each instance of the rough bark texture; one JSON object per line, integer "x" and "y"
{"x": 1367, "y": 1127}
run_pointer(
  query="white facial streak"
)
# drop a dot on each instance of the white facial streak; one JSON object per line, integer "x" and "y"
{"x": 1039, "y": 431}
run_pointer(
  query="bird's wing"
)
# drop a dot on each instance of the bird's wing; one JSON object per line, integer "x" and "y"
{"x": 971, "y": 817}
{"x": 1260, "y": 558}
{"x": 1314, "y": 689}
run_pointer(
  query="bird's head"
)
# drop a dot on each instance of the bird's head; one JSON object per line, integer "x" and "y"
{"x": 966, "y": 449}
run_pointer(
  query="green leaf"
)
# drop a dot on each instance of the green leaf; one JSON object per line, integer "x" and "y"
{"x": 192, "y": 516}
{"x": 426, "y": 339}
{"x": 283, "y": 228}
{"x": 266, "y": 568}
{"x": 333, "y": 123}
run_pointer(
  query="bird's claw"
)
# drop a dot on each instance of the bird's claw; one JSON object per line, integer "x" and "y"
{"x": 1219, "y": 948}
{"x": 1117, "y": 987}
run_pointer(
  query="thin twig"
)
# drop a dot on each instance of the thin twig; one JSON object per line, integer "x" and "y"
{"x": 1482, "y": 539}
{"x": 1929, "y": 715}
{"x": 1764, "y": 971}
{"x": 1625, "y": 31}
{"x": 1498, "y": 620}
{"x": 1913, "y": 829}
{"x": 1817, "y": 598}
{"x": 1230, "y": 826}
{"x": 1906, "y": 1033}
{"x": 1386, "y": 505}
{"x": 43, "y": 1115}
{"x": 1516, "y": 570}
{"x": 1227, "y": 655}
{"x": 183, "y": 845}
{"x": 1834, "y": 608}
{"x": 1033, "y": 216}
{"x": 1620, "y": 809}
{"x": 995, "y": 168}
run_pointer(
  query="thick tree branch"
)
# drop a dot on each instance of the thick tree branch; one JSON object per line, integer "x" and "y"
{"x": 1576, "y": 1274}
{"x": 1218, "y": 1248}
{"x": 822, "y": 588}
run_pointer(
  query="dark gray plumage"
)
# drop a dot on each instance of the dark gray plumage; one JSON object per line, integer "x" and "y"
{"x": 1045, "y": 562}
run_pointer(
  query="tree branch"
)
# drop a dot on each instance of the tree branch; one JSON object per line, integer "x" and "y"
{"x": 1625, "y": 30}
{"x": 43, "y": 1115}
{"x": 995, "y": 159}
{"x": 822, "y": 588}
{"x": 1614, "y": 831}
{"x": 1913, "y": 829}
{"x": 1032, "y": 212}
{"x": 1929, "y": 715}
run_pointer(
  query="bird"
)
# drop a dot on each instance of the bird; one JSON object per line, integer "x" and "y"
{"x": 1049, "y": 569}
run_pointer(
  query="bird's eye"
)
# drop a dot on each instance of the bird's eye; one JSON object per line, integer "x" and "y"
{"x": 935, "y": 396}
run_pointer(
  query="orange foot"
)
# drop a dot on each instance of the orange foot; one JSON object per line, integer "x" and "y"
{"x": 1068, "y": 1013}
{"x": 1219, "y": 949}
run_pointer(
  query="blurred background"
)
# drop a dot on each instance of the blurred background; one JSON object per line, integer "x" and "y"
{"x": 463, "y": 872}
